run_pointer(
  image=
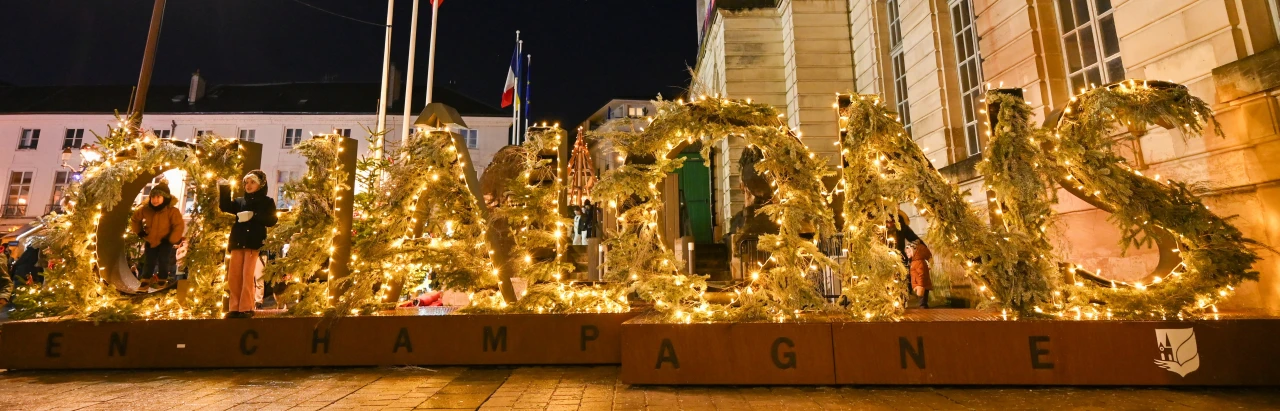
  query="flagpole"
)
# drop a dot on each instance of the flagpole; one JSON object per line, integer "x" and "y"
{"x": 408, "y": 78}
{"x": 431, "y": 55}
{"x": 386, "y": 72}
{"x": 519, "y": 100}
{"x": 515, "y": 121}
{"x": 525, "y": 111}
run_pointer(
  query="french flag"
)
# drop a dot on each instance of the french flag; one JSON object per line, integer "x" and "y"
{"x": 509, "y": 93}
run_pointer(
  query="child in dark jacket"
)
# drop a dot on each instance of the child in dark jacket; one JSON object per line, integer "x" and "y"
{"x": 254, "y": 213}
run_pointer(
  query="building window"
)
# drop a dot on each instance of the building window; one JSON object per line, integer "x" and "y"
{"x": 61, "y": 180}
{"x": 19, "y": 193}
{"x": 188, "y": 206}
{"x": 637, "y": 112}
{"x": 345, "y": 132}
{"x": 165, "y": 134}
{"x": 30, "y": 139}
{"x": 969, "y": 62}
{"x": 896, "y": 53}
{"x": 1090, "y": 43}
{"x": 248, "y": 135}
{"x": 74, "y": 138}
{"x": 200, "y": 133}
{"x": 895, "y": 24}
{"x": 282, "y": 197}
{"x": 470, "y": 136}
{"x": 292, "y": 136}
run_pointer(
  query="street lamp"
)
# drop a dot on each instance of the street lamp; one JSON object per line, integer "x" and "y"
{"x": 66, "y": 156}
{"x": 88, "y": 154}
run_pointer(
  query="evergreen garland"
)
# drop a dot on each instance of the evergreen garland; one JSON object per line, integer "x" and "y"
{"x": 873, "y": 272}
{"x": 73, "y": 287}
{"x": 1022, "y": 194}
{"x": 1216, "y": 255}
{"x": 800, "y": 208}
{"x": 1008, "y": 270}
{"x": 419, "y": 219}
{"x": 637, "y": 256}
{"x": 310, "y": 227}
{"x": 530, "y": 210}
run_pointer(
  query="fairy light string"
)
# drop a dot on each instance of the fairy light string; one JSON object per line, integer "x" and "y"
{"x": 1216, "y": 256}
{"x": 781, "y": 289}
{"x": 309, "y": 228}
{"x": 886, "y": 168}
{"x": 74, "y": 285}
{"x": 1012, "y": 261}
{"x": 418, "y": 224}
{"x": 541, "y": 237}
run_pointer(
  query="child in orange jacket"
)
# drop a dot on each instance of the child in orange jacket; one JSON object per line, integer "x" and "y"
{"x": 161, "y": 226}
{"x": 921, "y": 283}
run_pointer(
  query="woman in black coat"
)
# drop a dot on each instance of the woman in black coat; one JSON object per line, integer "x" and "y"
{"x": 587, "y": 224}
{"x": 254, "y": 213}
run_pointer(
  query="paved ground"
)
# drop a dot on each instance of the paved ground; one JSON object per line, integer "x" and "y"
{"x": 551, "y": 388}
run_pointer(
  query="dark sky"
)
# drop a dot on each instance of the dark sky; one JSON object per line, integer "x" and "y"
{"x": 584, "y": 51}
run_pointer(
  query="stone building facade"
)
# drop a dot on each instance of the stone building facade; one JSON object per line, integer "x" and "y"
{"x": 933, "y": 58}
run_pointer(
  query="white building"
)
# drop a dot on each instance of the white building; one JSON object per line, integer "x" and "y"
{"x": 38, "y": 123}
{"x": 636, "y": 109}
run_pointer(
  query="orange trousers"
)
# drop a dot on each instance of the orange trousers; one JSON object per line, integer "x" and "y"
{"x": 240, "y": 281}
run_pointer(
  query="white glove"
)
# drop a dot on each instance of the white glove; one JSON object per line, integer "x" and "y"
{"x": 244, "y": 216}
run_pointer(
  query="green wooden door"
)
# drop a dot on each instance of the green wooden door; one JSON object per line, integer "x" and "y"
{"x": 695, "y": 185}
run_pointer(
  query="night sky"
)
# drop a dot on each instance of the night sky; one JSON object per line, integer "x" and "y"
{"x": 584, "y": 51}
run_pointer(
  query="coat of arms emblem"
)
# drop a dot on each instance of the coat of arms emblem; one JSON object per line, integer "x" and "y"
{"x": 1178, "y": 352}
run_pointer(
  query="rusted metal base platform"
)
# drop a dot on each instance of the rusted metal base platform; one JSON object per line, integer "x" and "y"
{"x": 303, "y": 342}
{"x": 927, "y": 347}
{"x": 956, "y": 347}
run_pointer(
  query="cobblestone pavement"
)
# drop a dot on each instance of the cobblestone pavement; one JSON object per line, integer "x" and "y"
{"x": 550, "y": 388}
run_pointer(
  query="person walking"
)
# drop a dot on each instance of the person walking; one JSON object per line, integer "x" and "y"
{"x": 254, "y": 212}
{"x": 160, "y": 225}
{"x": 921, "y": 282}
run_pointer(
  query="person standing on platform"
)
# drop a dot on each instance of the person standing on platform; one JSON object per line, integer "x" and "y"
{"x": 6, "y": 287}
{"x": 578, "y": 237}
{"x": 8, "y": 258}
{"x": 589, "y": 216}
{"x": 254, "y": 212}
{"x": 160, "y": 225}
{"x": 26, "y": 269}
{"x": 921, "y": 282}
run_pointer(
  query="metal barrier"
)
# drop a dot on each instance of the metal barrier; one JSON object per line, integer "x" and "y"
{"x": 14, "y": 210}
{"x": 826, "y": 280}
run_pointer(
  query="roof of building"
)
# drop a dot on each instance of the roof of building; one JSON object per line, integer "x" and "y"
{"x": 745, "y": 4}
{"x": 296, "y": 98}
